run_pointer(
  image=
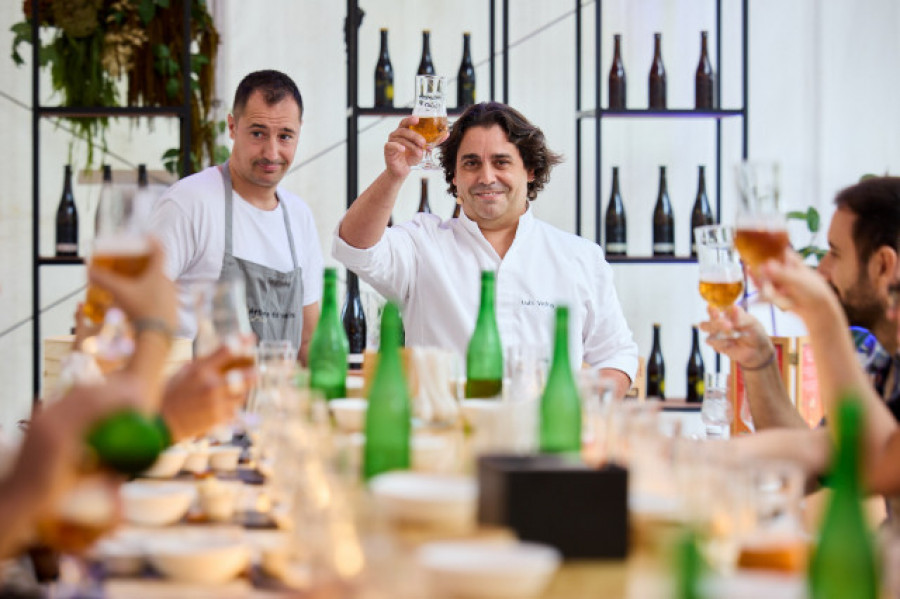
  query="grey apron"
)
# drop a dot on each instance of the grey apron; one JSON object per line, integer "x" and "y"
{"x": 274, "y": 298}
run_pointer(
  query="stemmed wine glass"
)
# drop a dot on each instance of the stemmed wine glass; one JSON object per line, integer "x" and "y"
{"x": 721, "y": 275}
{"x": 431, "y": 108}
{"x": 761, "y": 229}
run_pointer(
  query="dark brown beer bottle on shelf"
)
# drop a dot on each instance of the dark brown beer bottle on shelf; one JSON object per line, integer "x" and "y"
{"x": 353, "y": 317}
{"x": 696, "y": 372}
{"x": 384, "y": 75}
{"x": 705, "y": 79}
{"x": 617, "y": 77}
{"x": 67, "y": 219}
{"x": 456, "y": 209}
{"x": 657, "y": 86}
{"x": 142, "y": 176}
{"x": 465, "y": 78}
{"x": 423, "y": 198}
{"x": 701, "y": 213}
{"x": 616, "y": 236}
{"x": 663, "y": 220}
{"x": 426, "y": 66}
{"x": 656, "y": 368}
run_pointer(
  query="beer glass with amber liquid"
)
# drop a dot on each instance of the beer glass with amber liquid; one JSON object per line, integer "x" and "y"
{"x": 761, "y": 229}
{"x": 431, "y": 108}
{"x": 721, "y": 275}
{"x": 120, "y": 243}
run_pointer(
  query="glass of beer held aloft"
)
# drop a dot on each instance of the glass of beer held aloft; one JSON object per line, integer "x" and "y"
{"x": 120, "y": 243}
{"x": 761, "y": 229}
{"x": 721, "y": 275}
{"x": 431, "y": 108}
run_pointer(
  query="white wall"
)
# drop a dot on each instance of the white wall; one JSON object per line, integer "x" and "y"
{"x": 823, "y": 89}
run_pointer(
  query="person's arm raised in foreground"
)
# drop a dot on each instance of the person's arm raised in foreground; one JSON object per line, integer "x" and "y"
{"x": 838, "y": 368}
{"x": 368, "y": 216}
{"x": 48, "y": 463}
{"x": 149, "y": 302}
{"x": 736, "y": 334}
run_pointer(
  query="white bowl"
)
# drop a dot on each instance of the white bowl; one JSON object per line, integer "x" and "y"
{"x": 168, "y": 464}
{"x": 349, "y": 413}
{"x": 218, "y": 499}
{"x": 484, "y": 570}
{"x": 437, "y": 500}
{"x": 152, "y": 503}
{"x": 197, "y": 460}
{"x": 224, "y": 458}
{"x": 122, "y": 554}
{"x": 432, "y": 453}
{"x": 201, "y": 560}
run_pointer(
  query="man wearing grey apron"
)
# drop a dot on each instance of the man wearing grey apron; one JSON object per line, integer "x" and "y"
{"x": 233, "y": 221}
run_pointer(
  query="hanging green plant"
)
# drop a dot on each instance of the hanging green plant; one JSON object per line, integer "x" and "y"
{"x": 96, "y": 43}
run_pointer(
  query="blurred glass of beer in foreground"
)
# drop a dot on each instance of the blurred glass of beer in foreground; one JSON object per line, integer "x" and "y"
{"x": 83, "y": 515}
{"x": 120, "y": 242}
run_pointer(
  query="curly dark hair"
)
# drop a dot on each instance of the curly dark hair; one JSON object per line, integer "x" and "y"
{"x": 529, "y": 140}
{"x": 876, "y": 204}
{"x": 274, "y": 86}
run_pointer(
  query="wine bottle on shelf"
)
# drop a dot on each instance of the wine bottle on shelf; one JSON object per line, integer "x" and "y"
{"x": 656, "y": 368}
{"x": 106, "y": 192}
{"x": 705, "y": 79}
{"x": 142, "y": 181}
{"x": 456, "y": 209}
{"x": 616, "y": 235}
{"x": 465, "y": 78}
{"x": 617, "y": 77}
{"x": 663, "y": 220}
{"x": 657, "y": 87}
{"x": 353, "y": 318}
{"x": 67, "y": 219}
{"x": 560, "y": 428}
{"x": 328, "y": 347}
{"x": 484, "y": 355}
{"x": 423, "y": 198}
{"x": 388, "y": 415}
{"x": 695, "y": 370}
{"x": 384, "y": 75}
{"x": 426, "y": 66}
{"x": 843, "y": 563}
{"x": 701, "y": 213}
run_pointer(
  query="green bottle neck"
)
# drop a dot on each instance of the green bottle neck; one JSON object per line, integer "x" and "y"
{"x": 561, "y": 364}
{"x": 329, "y": 299}
{"x": 486, "y": 309}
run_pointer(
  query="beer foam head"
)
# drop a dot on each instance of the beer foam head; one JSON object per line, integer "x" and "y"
{"x": 122, "y": 245}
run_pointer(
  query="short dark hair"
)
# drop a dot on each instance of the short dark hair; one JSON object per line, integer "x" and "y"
{"x": 876, "y": 204}
{"x": 274, "y": 86}
{"x": 526, "y": 137}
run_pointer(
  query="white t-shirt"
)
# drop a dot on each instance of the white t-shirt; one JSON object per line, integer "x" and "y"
{"x": 433, "y": 269}
{"x": 189, "y": 220}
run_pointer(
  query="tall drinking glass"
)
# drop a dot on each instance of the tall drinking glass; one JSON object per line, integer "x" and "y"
{"x": 761, "y": 229}
{"x": 721, "y": 275}
{"x": 120, "y": 243}
{"x": 431, "y": 108}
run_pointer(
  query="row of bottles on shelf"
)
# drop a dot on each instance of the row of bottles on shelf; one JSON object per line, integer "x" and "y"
{"x": 384, "y": 72}
{"x": 67, "y": 211}
{"x": 704, "y": 78}
{"x": 616, "y": 240}
{"x": 656, "y": 369}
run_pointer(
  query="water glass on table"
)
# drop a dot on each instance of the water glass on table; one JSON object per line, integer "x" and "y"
{"x": 716, "y": 411}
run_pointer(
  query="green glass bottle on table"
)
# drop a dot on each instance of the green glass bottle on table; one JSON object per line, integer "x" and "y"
{"x": 127, "y": 441}
{"x": 560, "y": 430}
{"x": 329, "y": 348}
{"x": 843, "y": 563}
{"x": 484, "y": 355}
{"x": 388, "y": 415}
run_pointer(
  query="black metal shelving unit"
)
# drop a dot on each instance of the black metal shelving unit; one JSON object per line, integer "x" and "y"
{"x": 354, "y": 111}
{"x": 599, "y": 114}
{"x": 39, "y": 112}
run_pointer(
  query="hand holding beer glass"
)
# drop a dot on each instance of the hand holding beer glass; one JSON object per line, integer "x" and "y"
{"x": 761, "y": 229}
{"x": 431, "y": 108}
{"x": 721, "y": 275}
{"x": 120, "y": 244}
